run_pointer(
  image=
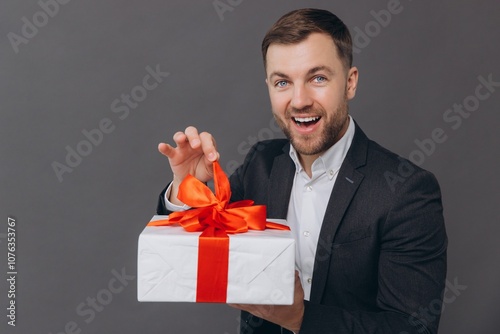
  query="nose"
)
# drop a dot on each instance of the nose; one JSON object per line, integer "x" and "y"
{"x": 301, "y": 97}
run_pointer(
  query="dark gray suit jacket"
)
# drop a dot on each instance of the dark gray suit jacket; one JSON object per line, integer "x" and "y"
{"x": 380, "y": 263}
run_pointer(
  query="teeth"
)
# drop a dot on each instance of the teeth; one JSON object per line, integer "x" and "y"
{"x": 305, "y": 119}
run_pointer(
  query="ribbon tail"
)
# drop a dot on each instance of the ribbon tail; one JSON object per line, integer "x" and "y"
{"x": 161, "y": 222}
{"x": 277, "y": 226}
{"x": 213, "y": 266}
{"x": 221, "y": 184}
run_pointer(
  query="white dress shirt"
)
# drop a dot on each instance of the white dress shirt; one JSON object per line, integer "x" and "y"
{"x": 308, "y": 202}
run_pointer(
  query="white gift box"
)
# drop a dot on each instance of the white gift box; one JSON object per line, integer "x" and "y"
{"x": 261, "y": 266}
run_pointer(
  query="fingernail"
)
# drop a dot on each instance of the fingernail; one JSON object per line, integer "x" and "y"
{"x": 211, "y": 156}
{"x": 195, "y": 142}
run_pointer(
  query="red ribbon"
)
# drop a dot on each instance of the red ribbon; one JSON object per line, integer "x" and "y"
{"x": 216, "y": 217}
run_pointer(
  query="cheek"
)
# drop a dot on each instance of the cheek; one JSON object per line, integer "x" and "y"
{"x": 330, "y": 100}
{"x": 279, "y": 103}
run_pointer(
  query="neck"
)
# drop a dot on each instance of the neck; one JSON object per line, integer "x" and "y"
{"x": 306, "y": 161}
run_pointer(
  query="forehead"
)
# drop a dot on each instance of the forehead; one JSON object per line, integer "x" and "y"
{"x": 317, "y": 50}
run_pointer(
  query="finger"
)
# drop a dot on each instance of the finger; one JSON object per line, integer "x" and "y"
{"x": 243, "y": 307}
{"x": 193, "y": 136}
{"x": 180, "y": 139}
{"x": 166, "y": 150}
{"x": 298, "y": 290}
{"x": 208, "y": 146}
{"x": 298, "y": 283}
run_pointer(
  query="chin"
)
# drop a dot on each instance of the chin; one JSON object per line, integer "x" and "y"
{"x": 308, "y": 148}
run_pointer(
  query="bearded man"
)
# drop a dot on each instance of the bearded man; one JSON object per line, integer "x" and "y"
{"x": 370, "y": 251}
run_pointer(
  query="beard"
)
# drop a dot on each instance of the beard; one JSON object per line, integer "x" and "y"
{"x": 332, "y": 129}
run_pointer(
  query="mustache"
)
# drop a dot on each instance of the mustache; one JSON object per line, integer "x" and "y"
{"x": 307, "y": 110}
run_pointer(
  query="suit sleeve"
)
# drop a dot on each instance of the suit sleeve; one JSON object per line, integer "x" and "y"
{"x": 411, "y": 270}
{"x": 161, "y": 209}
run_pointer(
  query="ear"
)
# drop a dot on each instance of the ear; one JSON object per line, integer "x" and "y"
{"x": 352, "y": 83}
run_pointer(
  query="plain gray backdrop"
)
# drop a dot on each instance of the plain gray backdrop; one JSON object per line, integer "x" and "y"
{"x": 77, "y": 232}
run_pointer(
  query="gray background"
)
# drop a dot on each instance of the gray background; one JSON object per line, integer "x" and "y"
{"x": 73, "y": 234}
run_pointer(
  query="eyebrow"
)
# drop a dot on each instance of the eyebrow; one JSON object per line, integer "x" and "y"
{"x": 279, "y": 74}
{"x": 320, "y": 68}
{"x": 311, "y": 71}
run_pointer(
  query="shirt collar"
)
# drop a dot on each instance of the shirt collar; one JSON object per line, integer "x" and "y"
{"x": 331, "y": 160}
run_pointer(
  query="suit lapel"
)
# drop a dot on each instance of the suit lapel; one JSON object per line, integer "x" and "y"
{"x": 281, "y": 182}
{"x": 346, "y": 185}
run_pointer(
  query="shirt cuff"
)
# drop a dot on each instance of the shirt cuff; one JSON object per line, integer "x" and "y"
{"x": 171, "y": 206}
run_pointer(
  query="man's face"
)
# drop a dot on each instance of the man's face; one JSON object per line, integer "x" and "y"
{"x": 309, "y": 88}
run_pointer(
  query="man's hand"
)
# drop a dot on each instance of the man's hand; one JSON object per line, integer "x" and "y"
{"x": 194, "y": 154}
{"x": 287, "y": 316}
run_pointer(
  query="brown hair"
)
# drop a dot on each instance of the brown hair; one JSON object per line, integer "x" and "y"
{"x": 297, "y": 25}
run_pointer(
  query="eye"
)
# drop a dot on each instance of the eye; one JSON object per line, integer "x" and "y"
{"x": 280, "y": 83}
{"x": 319, "y": 79}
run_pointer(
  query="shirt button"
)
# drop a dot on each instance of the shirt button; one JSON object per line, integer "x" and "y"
{"x": 309, "y": 280}
{"x": 330, "y": 171}
{"x": 306, "y": 233}
{"x": 309, "y": 188}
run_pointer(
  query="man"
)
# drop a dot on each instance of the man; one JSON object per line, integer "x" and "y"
{"x": 371, "y": 251}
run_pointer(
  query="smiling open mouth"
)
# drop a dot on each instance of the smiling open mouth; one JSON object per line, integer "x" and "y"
{"x": 306, "y": 121}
